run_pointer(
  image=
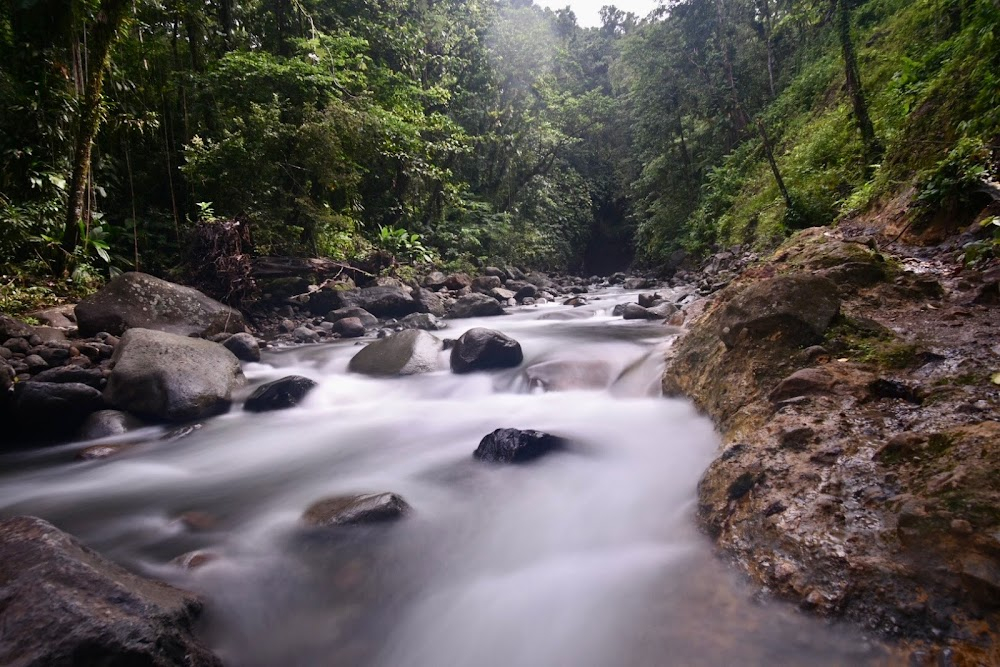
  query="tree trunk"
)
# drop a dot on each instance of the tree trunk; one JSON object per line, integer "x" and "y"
{"x": 109, "y": 19}
{"x": 871, "y": 145}
{"x": 769, "y": 152}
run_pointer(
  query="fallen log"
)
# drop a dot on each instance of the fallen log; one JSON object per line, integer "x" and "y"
{"x": 283, "y": 267}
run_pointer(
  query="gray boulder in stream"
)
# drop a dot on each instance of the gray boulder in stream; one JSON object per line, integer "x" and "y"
{"x": 405, "y": 353}
{"x": 139, "y": 300}
{"x": 65, "y": 605}
{"x": 481, "y": 349}
{"x": 475, "y": 305}
{"x": 173, "y": 378}
{"x": 511, "y": 445}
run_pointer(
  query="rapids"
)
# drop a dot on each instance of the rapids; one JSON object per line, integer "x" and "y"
{"x": 585, "y": 558}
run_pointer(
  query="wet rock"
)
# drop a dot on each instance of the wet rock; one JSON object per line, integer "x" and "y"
{"x": 304, "y": 334}
{"x": 799, "y": 307}
{"x": 576, "y": 302}
{"x": 367, "y": 319}
{"x": 483, "y": 349}
{"x": 524, "y": 291}
{"x": 569, "y": 375}
{"x": 618, "y": 310}
{"x": 485, "y": 284}
{"x": 633, "y": 311}
{"x": 192, "y": 560}
{"x": 511, "y": 445}
{"x": 17, "y": 345}
{"x": 99, "y": 452}
{"x": 49, "y": 409}
{"x": 475, "y": 305}
{"x": 424, "y": 321}
{"x": 663, "y": 310}
{"x": 796, "y": 438}
{"x": 501, "y": 294}
{"x": 741, "y": 486}
{"x": 802, "y": 383}
{"x": 405, "y": 353}
{"x": 35, "y": 363}
{"x": 106, "y": 423}
{"x": 429, "y": 302}
{"x": 92, "y": 377}
{"x": 13, "y": 328}
{"x": 386, "y": 301}
{"x": 175, "y": 378}
{"x": 887, "y": 388}
{"x": 356, "y": 509}
{"x": 64, "y": 604}
{"x": 349, "y": 327}
{"x": 138, "y": 300}
{"x": 244, "y": 346}
{"x": 279, "y": 394}
{"x": 650, "y": 300}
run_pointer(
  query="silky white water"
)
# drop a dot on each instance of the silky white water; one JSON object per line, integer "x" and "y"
{"x": 584, "y": 558}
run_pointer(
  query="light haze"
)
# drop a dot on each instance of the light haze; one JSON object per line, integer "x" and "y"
{"x": 588, "y": 12}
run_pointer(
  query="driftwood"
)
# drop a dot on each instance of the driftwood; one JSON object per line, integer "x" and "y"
{"x": 283, "y": 267}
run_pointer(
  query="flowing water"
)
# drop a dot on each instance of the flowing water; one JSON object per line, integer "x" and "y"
{"x": 584, "y": 558}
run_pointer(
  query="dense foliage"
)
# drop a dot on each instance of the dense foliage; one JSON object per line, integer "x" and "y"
{"x": 470, "y": 131}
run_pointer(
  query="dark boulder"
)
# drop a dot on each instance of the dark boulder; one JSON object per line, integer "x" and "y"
{"x": 356, "y": 509}
{"x": 244, "y": 346}
{"x": 799, "y": 307}
{"x": 495, "y": 271}
{"x": 65, "y": 605}
{"x": 13, "y": 328}
{"x": 482, "y": 349}
{"x": 280, "y": 394}
{"x": 349, "y": 327}
{"x": 367, "y": 319}
{"x": 485, "y": 283}
{"x": 135, "y": 299}
{"x": 429, "y": 302}
{"x": 633, "y": 311}
{"x": 457, "y": 281}
{"x": 475, "y": 305}
{"x": 50, "y": 409}
{"x": 405, "y": 353}
{"x": 424, "y": 321}
{"x": 435, "y": 280}
{"x": 388, "y": 301}
{"x": 511, "y": 445}
{"x": 174, "y": 378}
{"x": 92, "y": 377}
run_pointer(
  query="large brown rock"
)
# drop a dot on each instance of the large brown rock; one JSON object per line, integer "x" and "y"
{"x": 138, "y": 300}
{"x": 64, "y": 605}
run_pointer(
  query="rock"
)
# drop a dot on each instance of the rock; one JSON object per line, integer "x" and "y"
{"x": 35, "y": 363}
{"x": 802, "y": 383}
{"x": 511, "y": 445}
{"x": 569, "y": 375}
{"x": 175, "y": 378}
{"x": 800, "y": 307}
{"x": 304, "y": 334}
{"x": 137, "y": 300}
{"x": 99, "y": 452}
{"x": 484, "y": 284}
{"x": 525, "y": 291}
{"x": 457, "y": 281}
{"x": 435, "y": 280}
{"x": 194, "y": 559}
{"x": 638, "y": 283}
{"x": 244, "y": 346}
{"x": 13, "y": 328}
{"x": 495, "y": 271}
{"x": 6, "y": 380}
{"x": 17, "y": 345}
{"x": 429, "y": 302}
{"x": 405, "y": 353}
{"x": 482, "y": 349}
{"x": 475, "y": 305}
{"x": 501, "y": 294}
{"x": 358, "y": 509}
{"x": 386, "y": 301}
{"x": 618, "y": 310}
{"x": 106, "y": 423}
{"x": 64, "y": 604}
{"x": 92, "y": 377}
{"x": 424, "y": 321}
{"x": 576, "y": 302}
{"x": 49, "y": 409}
{"x": 279, "y": 394}
{"x": 633, "y": 311}
{"x": 349, "y": 327}
{"x": 663, "y": 311}
{"x": 367, "y": 319}
{"x": 649, "y": 300}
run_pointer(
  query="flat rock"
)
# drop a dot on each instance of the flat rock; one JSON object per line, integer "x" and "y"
{"x": 137, "y": 300}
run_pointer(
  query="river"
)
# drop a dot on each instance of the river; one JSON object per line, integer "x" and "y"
{"x": 584, "y": 558}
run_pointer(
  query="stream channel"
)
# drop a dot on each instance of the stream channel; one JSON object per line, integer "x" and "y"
{"x": 584, "y": 558}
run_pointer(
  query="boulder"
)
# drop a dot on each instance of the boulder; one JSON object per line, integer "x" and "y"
{"x": 280, "y": 394}
{"x": 663, "y": 310}
{"x": 6, "y": 378}
{"x": 92, "y": 377}
{"x": 429, "y": 302}
{"x": 457, "y": 281}
{"x": 482, "y": 349}
{"x": 349, "y": 327}
{"x": 304, "y": 334}
{"x": 51, "y": 409}
{"x": 137, "y": 300}
{"x": 424, "y": 321}
{"x": 435, "y": 280}
{"x": 650, "y": 300}
{"x": 13, "y": 328}
{"x": 801, "y": 383}
{"x": 800, "y": 307}
{"x": 633, "y": 311}
{"x": 511, "y": 445}
{"x": 367, "y": 319}
{"x": 475, "y": 305}
{"x": 107, "y": 423}
{"x": 495, "y": 271}
{"x": 244, "y": 346}
{"x": 66, "y": 605}
{"x": 356, "y": 509}
{"x": 484, "y": 284}
{"x": 175, "y": 378}
{"x": 405, "y": 353}
{"x": 388, "y": 301}
{"x": 59, "y": 317}
{"x": 502, "y": 294}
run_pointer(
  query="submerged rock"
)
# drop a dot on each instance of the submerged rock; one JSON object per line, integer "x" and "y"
{"x": 482, "y": 349}
{"x": 511, "y": 445}
{"x": 356, "y": 509}
{"x": 280, "y": 394}
{"x": 174, "y": 378}
{"x": 137, "y": 300}
{"x": 405, "y": 353}
{"x": 106, "y": 423}
{"x": 65, "y": 605}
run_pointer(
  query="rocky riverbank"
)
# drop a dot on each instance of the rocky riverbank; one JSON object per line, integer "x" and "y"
{"x": 854, "y": 382}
